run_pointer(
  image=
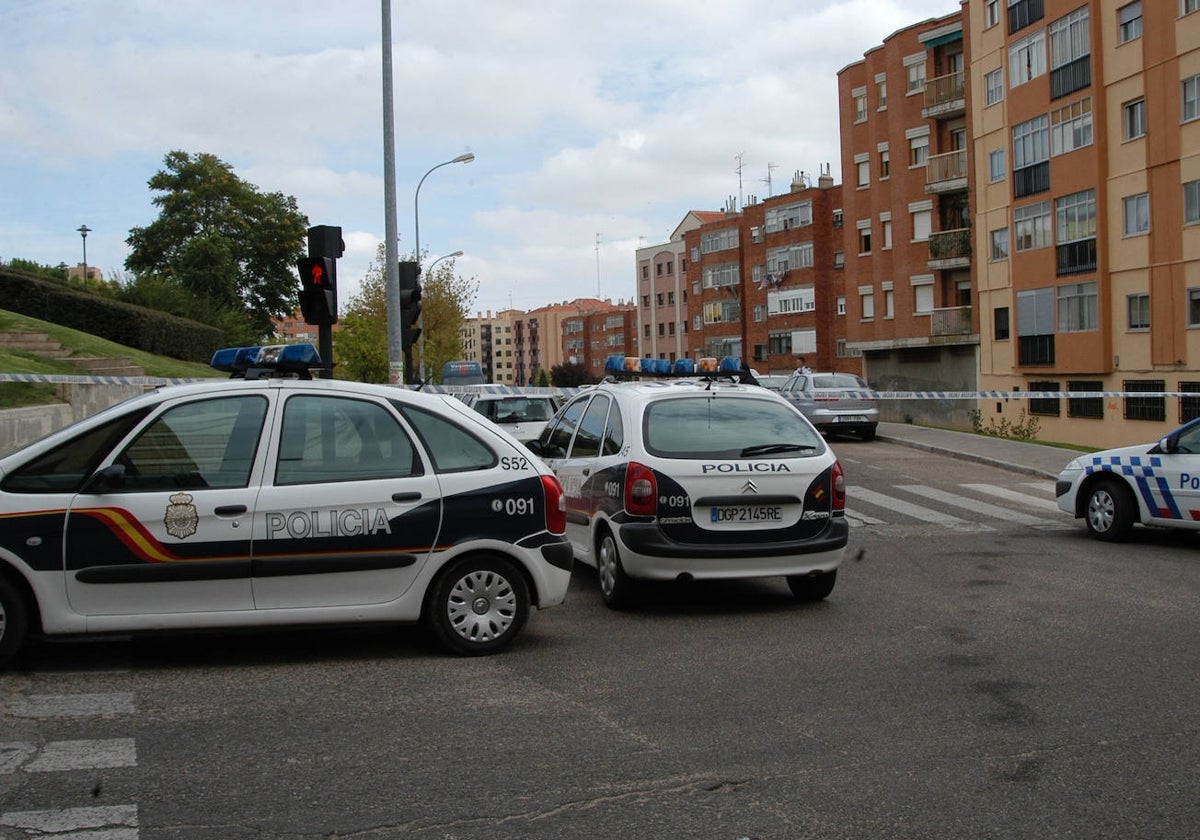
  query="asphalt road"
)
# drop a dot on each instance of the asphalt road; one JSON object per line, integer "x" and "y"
{"x": 970, "y": 676}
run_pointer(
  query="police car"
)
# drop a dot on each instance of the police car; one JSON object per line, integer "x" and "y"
{"x": 700, "y": 477}
{"x": 267, "y": 500}
{"x": 1154, "y": 484}
{"x": 523, "y": 416}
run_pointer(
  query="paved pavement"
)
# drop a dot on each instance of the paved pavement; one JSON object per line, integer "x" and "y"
{"x": 1030, "y": 458}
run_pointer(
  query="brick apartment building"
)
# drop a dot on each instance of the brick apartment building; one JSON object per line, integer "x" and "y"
{"x": 591, "y": 337}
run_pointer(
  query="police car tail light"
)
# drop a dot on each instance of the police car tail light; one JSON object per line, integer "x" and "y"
{"x": 839, "y": 486}
{"x": 641, "y": 490}
{"x": 556, "y": 505}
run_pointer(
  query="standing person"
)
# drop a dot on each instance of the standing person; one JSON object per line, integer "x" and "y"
{"x": 804, "y": 368}
{"x": 746, "y": 377}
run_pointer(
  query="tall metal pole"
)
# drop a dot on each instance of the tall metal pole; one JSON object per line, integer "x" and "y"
{"x": 84, "y": 230}
{"x": 391, "y": 231}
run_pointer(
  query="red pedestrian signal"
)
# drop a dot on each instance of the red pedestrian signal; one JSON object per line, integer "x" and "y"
{"x": 318, "y": 290}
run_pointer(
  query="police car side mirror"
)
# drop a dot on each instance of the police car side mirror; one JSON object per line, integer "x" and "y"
{"x": 111, "y": 477}
{"x": 1166, "y": 444}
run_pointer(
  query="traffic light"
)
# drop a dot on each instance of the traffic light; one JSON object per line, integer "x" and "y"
{"x": 318, "y": 290}
{"x": 410, "y": 303}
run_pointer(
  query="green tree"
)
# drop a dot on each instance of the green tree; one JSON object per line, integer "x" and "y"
{"x": 361, "y": 345}
{"x": 570, "y": 375}
{"x": 232, "y": 248}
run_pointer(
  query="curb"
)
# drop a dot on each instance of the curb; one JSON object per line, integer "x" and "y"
{"x": 971, "y": 456}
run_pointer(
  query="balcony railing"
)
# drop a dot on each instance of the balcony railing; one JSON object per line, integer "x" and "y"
{"x": 1076, "y": 257}
{"x": 953, "y": 320}
{"x": 946, "y": 172}
{"x": 945, "y": 96}
{"x": 950, "y": 249}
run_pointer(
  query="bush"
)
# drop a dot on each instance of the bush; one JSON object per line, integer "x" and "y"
{"x": 133, "y": 326}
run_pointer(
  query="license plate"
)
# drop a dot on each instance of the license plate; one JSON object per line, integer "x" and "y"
{"x": 850, "y": 418}
{"x": 747, "y": 513}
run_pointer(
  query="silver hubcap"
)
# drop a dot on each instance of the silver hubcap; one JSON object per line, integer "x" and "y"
{"x": 482, "y": 606}
{"x": 1101, "y": 510}
{"x": 606, "y": 566}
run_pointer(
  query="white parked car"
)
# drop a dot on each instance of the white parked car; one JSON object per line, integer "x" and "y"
{"x": 1151, "y": 483}
{"x": 275, "y": 501}
{"x": 523, "y": 416}
{"x": 697, "y": 479}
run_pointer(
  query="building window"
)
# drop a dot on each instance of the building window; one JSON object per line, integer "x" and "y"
{"x": 922, "y": 294}
{"x": 918, "y": 150}
{"x": 993, "y": 83}
{"x": 867, "y": 301}
{"x": 1000, "y": 244}
{"x": 1078, "y": 307}
{"x": 1191, "y": 201}
{"x": 1193, "y": 305}
{"x": 1027, "y": 59}
{"x": 1035, "y": 327}
{"x": 864, "y": 173}
{"x": 1091, "y": 408}
{"x": 839, "y": 259}
{"x": 841, "y": 305}
{"x": 1146, "y": 407}
{"x": 1075, "y": 217}
{"x": 1071, "y": 127}
{"x": 1031, "y": 142}
{"x": 922, "y": 225}
{"x": 915, "y": 74}
{"x": 790, "y": 216}
{"x": 1189, "y": 407}
{"x": 860, "y": 107}
{"x": 760, "y": 312}
{"x": 1139, "y": 311}
{"x": 1137, "y": 214}
{"x": 996, "y": 167}
{"x": 1000, "y": 323}
{"x": 1186, "y": 7}
{"x": 1031, "y": 226}
{"x": 1044, "y": 406}
{"x": 881, "y": 93}
{"x": 864, "y": 240}
{"x": 1069, "y": 38}
{"x": 1134, "y": 118}
{"x": 991, "y": 13}
{"x": 1129, "y": 22}
{"x": 1191, "y": 97}
{"x": 885, "y": 164}
{"x": 889, "y": 303}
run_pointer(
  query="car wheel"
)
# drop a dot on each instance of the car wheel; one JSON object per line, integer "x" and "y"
{"x": 14, "y": 620}
{"x": 868, "y": 434}
{"x": 616, "y": 587}
{"x": 1110, "y": 511}
{"x": 814, "y": 587}
{"x": 478, "y": 605}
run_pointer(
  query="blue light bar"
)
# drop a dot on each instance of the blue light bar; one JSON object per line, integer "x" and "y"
{"x": 281, "y": 358}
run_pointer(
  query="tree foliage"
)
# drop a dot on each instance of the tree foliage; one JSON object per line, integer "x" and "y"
{"x": 229, "y": 247}
{"x": 361, "y": 345}
{"x": 569, "y": 375}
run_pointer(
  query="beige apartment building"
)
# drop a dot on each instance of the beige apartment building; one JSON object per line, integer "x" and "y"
{"x": 1086, "y": 156}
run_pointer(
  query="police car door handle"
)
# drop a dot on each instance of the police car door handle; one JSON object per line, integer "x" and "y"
{"x": 406, "y": 497}
{"x": 587, "y": 470}
{"x": 230, "y": 510}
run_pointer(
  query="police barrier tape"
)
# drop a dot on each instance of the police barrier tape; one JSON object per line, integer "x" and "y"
{"x": 512, "y": 389}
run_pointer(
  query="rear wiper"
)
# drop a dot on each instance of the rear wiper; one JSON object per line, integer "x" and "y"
{"x": 770, "y": 448}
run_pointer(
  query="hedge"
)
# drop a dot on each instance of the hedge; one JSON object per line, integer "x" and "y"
{"x": 134, "y": 326}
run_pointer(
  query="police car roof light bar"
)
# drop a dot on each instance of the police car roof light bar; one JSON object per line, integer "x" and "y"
{"x": 633, "y": 367}
{"x": 272, "y": 360}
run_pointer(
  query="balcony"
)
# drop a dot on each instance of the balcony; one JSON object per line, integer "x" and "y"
{"x": 950, "y": 249}
{"x": 945, "y": 97}
{"x": 953, "y": 320}
{"x": 946, "y": 172}
{"x": 1077, "y": 257}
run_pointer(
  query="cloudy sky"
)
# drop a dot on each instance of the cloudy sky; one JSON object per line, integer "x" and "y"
{"x": 596, "y": 124}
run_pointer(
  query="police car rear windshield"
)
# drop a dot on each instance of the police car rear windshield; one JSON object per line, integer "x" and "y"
{"x": 704, "y": 427}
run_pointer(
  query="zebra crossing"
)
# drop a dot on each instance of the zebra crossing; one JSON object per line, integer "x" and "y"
{"x": 66, "y": 821}
{"x": 968, "y": 508}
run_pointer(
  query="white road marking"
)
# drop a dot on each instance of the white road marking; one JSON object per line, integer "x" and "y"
{"x": 107, "y": 822}
{"x": 1014, "y": 496}
{"x": 920, "y": 512}
{"x": 71, "y": 705}
{"x": 975, "y": 505}
{"x": 14, "y": 754}
{"x": 84, "y": 755}
{"x": 858, "y": 519}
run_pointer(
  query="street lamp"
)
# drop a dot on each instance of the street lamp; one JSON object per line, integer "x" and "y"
{"x": 429, "y": 273}
{"x": 84, "y": 230}
{"x": 463, "y": 158}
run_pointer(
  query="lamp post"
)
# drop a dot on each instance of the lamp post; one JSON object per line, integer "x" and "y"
{"x": 429, "y": 273}
{"x": 463, "y": 158}
{"x": 84, "y": 230}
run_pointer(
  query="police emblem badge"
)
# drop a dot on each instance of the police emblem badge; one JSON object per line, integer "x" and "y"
{"x": 181, "y": 518}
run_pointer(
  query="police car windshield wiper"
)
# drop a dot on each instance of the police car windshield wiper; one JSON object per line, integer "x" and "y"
{"x": 770, "y": 448}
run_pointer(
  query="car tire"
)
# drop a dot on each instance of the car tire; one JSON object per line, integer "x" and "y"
{"x": 1110, "y": 510}
{"x": 813, "y": 587}
{"x": 616, "y": 587}
{"x": 868, "y": 434}
{"x": 14, "y": 620}
{"x": 478, "y": 605}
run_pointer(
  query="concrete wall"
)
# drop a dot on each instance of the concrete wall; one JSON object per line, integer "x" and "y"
{"x": 949, "y": 368}
{"x": 21, "y": 426}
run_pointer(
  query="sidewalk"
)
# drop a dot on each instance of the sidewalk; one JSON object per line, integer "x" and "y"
{"x": 1030, "y": 458}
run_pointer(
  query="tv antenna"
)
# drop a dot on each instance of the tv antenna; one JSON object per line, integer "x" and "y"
{"x": 771, "y": 167}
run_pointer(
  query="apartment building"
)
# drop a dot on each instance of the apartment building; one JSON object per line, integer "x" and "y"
{"x": 1086, "y": 145}
{"x": 906, "y": 206}
{"x": 591, "y": 337}
{"x": 662, "y": 291}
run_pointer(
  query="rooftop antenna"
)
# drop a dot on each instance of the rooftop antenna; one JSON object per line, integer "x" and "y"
{"x": 771, "y": 167}
{"x": 738, "y": 170}
{"x": 597, "y": 265}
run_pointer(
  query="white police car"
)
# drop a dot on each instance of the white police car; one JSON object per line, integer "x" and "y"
{"x": 523, "y": 415}
{"x": 266, "y": 500}
{"x": 1154, "y": 484}
{"x": 696, "y": 478}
